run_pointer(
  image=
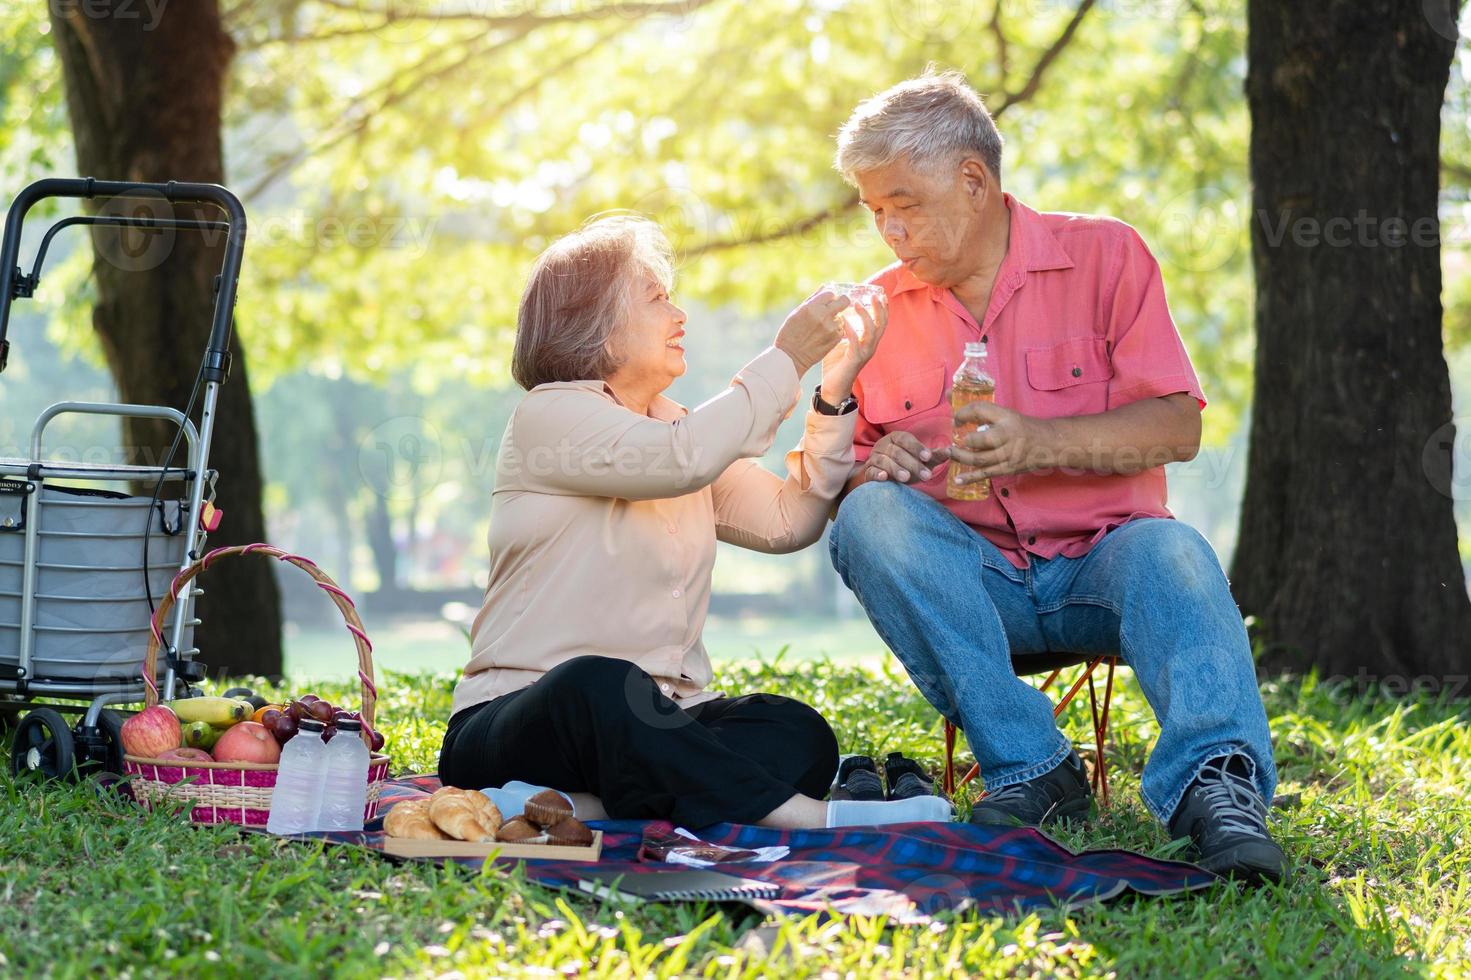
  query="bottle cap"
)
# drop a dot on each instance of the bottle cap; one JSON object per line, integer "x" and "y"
{"x": 310, "y": 725}
{"x": 349, "y": 725}
{"x": 975, "y": 348}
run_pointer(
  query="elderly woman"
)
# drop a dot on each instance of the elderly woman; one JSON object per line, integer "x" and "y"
{"x": 587, "y": 672}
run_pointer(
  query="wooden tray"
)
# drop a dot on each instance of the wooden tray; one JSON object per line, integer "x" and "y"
{"x": 409, "y": 847}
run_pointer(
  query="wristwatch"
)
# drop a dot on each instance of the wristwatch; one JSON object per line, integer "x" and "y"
{"x": 849, "y": 404}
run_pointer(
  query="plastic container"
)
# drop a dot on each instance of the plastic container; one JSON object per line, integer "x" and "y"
{"x": 345, "y": 787}
{"x": 972, "y": 383}
{"x": 296, "y": 801}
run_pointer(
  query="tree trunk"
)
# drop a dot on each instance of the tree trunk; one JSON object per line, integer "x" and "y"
{"x": 144, "y": 99}
{"x": 1347, "y": 548}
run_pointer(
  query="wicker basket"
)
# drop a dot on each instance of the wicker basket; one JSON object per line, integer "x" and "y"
{"x": 240, "y": 792}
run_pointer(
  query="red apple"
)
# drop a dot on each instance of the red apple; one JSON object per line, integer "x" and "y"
{"x": 248, "y": 741}
{"x": 151, "y": 732}
{"x": 187, "y": 755}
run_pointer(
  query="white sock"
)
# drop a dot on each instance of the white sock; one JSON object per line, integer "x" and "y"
{"x": 875, "y": 813}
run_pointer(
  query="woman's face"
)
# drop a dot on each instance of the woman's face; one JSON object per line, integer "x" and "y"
{"x": 650, "y": 348}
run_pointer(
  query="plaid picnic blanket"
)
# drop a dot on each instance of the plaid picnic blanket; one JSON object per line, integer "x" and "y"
{"x": 906, "y": 871}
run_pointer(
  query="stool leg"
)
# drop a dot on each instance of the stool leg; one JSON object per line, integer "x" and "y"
{"x": 949, "y": 783}
{"x": 1100, "y": 764}
{"x": 1103, "y": 726}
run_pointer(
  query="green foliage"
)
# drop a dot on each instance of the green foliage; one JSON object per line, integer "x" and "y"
{"x": 719, "y": 123}
{"x": 1378, "y": 835}
{"x": 403, "y": 163}
{"x": 33, "y": 139}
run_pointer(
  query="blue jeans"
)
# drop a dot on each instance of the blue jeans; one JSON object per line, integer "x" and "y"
{"x": 954, "y": 609}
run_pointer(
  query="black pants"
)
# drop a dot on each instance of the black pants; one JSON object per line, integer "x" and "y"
{"x": 601, "y": 725}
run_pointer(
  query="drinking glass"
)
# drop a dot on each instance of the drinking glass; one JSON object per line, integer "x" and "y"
{"x": 871, "y": 296}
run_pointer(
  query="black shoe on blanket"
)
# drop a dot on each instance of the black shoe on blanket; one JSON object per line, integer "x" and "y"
{"x": 1061, "y": 793}
{"x": 858, "y": 779}
{"x": 1226, "y": 817}
{"x": 906, "y": 778}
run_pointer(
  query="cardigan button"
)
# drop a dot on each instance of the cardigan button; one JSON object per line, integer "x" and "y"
{"x": 1077, "y": 372}
{"x": 908, "y": 404}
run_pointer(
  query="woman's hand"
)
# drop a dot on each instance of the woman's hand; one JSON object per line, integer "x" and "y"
{"x": 842, "y": 364}
{"x": 812, "y": 329}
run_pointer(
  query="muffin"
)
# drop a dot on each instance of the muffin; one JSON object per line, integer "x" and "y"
{"x": 548, "y": 807}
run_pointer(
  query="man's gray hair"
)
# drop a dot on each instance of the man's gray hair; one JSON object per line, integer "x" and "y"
{"x": 935, "y": 121}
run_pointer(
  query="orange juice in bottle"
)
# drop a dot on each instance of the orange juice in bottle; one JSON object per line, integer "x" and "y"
{"x": 972, "y": 383}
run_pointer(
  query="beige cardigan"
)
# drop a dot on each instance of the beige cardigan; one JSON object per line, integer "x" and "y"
{"x": 604, "y": 522}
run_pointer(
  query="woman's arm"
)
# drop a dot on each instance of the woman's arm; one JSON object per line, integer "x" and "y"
{"x": 568, "y": 439}
{"x": 757, "y": 509}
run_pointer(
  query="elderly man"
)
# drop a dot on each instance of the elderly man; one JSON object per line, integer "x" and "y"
{"x": 1074, "y": 549}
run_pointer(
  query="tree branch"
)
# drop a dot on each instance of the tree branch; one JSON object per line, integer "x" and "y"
{"x": 294, "y": 160}
{"x": 1003, "y": 51}
{"x": 545, "y": 75}
{"x": 519, "y": 26}
{"x": 1008, "y": 100}
{"x": 632, "y": 11}
{"x": 777, "y": 234}
{"x": 1034, "y": 81}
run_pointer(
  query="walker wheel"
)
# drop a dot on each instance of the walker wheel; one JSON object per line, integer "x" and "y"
{"x": 42, "y": 743}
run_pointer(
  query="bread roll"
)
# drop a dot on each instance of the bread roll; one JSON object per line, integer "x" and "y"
{"x": 464, "y": 814}
{"x": 411, "y": 819}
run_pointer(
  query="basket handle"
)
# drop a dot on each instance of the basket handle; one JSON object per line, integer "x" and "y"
{"x": 324, "y": 582}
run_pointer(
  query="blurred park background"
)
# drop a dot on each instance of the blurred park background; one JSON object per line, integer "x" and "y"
{"x": 402, "y": 163}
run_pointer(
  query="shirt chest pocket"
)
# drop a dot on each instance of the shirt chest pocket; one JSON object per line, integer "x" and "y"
{"x": 895, "y": 402}
{"x": 1070, "y": 378}
{"x": 914, "y": 402}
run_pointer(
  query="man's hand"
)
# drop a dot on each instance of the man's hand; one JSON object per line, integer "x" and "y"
{"x": 901, "y": 457}
{"x": 1125, "y": 440}
{"x": 1004, "y": 442}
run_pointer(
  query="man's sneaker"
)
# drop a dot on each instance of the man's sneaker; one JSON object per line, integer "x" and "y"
{"x": 858, "y": 779}
{"x": 1226, "y": 817}
{"x": 906, "y": 778}
{"x": 1059, "y": 794}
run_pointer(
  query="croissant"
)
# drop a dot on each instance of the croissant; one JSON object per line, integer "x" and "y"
{"x": 411, "y": 819}
{"x": 464, "y": 814}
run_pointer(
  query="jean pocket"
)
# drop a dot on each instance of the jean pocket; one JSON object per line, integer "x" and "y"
{"x": 993, "y": 559}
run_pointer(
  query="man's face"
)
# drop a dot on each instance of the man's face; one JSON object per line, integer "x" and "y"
{"x": 931, "y": 221}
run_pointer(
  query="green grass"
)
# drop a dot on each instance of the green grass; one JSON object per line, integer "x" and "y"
{"x": 89, "y": 885}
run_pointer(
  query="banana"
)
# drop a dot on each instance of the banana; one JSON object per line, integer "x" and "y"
{"x": 221, "y": 712}
{"x": 201, "y": 735}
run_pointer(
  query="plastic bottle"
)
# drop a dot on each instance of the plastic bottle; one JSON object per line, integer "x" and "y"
{"x": 345, "y": 791}
{"x": 972, "y": 383}
{"x": 297, "y": 798}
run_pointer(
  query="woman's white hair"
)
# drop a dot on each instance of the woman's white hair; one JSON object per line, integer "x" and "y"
{"x": 934, "y": 121}
{"x": 580, "y": 296}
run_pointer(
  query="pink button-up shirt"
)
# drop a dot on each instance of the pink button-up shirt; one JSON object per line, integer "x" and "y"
{"x": 1077, "y": 325}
